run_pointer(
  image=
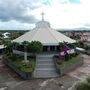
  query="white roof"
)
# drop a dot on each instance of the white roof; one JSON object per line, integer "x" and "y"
{"x": 45, "y": 34}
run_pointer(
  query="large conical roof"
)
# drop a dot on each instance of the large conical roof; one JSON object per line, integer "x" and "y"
{"x": 45, "y": 34}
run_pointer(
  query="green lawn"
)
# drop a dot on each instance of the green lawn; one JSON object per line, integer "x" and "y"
{"x": 29, "y": 67}
{"x": 70, "y": 61}
{"x": 18, "y": 62}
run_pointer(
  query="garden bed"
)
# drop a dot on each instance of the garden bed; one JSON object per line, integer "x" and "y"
{"x": 24, "y": 70}
{"x": 66, "y": 66}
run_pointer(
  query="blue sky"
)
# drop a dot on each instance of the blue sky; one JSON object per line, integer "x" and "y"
{"x": 62, "y": 14}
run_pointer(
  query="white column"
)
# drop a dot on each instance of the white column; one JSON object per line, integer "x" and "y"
{"x": 25, "y": 58}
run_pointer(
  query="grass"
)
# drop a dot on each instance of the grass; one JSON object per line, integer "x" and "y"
{"x": 29, "y": 67}
{"x": 17, "y": 61}
{"x": 69, "y": 62}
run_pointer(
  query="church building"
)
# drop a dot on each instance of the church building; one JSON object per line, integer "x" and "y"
{"x": 45, "y": 34}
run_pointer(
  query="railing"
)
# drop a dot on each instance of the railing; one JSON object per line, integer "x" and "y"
{"x": 71, "y": 51}
{"x": 21, "y": 53}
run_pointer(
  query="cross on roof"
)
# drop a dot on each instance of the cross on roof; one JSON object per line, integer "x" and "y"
{"x": 42, "y": 16}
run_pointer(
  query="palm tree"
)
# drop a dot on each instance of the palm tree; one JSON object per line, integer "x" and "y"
{"x": 7, "y": 45}
{"x": 35, "y": 47}
{"x": 15, "y": 45}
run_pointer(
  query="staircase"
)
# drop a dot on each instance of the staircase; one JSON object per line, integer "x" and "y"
{"x": 45, "y": 67}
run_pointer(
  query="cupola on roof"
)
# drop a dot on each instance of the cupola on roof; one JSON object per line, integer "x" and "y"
{"x": 43, "y": 23}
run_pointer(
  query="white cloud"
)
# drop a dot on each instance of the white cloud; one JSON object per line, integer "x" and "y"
{"x": 68, "y": 15}
{"x": 15, "y": 25}
{"x": 60, "y": 13}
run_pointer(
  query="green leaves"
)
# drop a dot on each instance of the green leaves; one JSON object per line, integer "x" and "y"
{"x": 36, "y": 46}
{"x": 85, "y": 85}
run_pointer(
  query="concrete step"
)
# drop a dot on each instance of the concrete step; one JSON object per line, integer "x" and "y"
{"x": 45, "y": 73}
{"x": 45, "y": 66}
{"x": 46, "y": 76}
{"x": 46, "y": 56}
{"x": 45, "y": 69}
{"x": 44, "y": 62}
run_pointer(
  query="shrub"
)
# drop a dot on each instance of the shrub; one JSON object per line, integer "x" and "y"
{"x": 18, "y": 64}
{"x": 58, "y": 61}
{"x": 11, "y": 56}
{"x": 17, "y": 61}
{"x": 72, "y": 46}
{"x": 35, "y": 46}
{"x": 88, "y": 79}
{"x": 82, "y": 86}
{"x": 67, "y": 57}
{"x": 87, "y": 47}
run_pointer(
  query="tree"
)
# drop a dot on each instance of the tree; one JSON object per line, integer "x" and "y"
{"x": 15, "y": 45}
{"x": 72, "y": 45}
{"x": 64, "y": 47}
{"x": 35, "y": 47}
{"x": 61, "y": 46}
{"x": 25, "y": 44}
{"x": 77, "y": 37}
{"x": 7, "y": 45}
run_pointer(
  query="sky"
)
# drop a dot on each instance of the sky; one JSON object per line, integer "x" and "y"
{"x": 61, "y": 14}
